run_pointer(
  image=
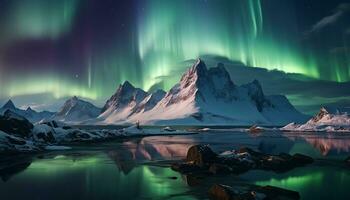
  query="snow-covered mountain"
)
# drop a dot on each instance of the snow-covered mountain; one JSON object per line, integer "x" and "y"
{"x": 203, "y": 96}
{"x": 76, "y": 110}
{"x": 325, "y": 120}
{"x": 32, "y": 115}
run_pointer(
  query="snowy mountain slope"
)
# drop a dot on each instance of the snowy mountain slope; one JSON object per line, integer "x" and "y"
{"x": 324, "y": 121}
{"x": 76, "y": 110}
{"x": 32, "y": 115}
{"x": 123, "y": 103}
{"x": 279, "y": 107}
{"x": 203, "y": 96}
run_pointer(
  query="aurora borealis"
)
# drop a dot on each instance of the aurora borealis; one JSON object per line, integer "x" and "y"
{"x": 87, "y": 47}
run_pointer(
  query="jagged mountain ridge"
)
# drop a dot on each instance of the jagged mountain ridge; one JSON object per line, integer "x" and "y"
{"x": 128, "y": 101}
{"x": 76, "y": 110}
{"x": 30, "y": 114}
{"x": 203, "y": 96}
{"x": 325, "y": 120}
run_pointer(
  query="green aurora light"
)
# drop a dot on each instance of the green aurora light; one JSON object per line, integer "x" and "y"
{"x": 163, "y": 35}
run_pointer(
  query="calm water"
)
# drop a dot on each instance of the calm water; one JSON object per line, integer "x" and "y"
{"x": 135, "y": 169}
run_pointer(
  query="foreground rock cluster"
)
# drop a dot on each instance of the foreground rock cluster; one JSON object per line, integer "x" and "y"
{"x": 201, "y": 159}
{"x": 18, "y": 135}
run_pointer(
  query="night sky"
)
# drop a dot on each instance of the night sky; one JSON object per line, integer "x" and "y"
{"x": 51, "y": 50}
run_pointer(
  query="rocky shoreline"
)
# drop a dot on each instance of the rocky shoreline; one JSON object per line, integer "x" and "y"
{"x": 201, "y": 161}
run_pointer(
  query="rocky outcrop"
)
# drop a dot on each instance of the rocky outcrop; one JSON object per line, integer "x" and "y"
{"x": 201, "y": 159}
{"x": 200, "y": 155}
{"x": 14, "y": 124}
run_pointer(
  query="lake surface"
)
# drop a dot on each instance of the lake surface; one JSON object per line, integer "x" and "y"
{"x": 137, "y": 169}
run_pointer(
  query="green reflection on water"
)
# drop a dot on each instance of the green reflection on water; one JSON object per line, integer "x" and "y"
{"x": 296, "y": 183}
{"x": 93, "y": 177}
{"x": 312, "y": 182}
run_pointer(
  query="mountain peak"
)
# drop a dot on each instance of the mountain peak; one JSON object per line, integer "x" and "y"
{"x": 72, "y": 101}
{"x": 125, "y": 94}
{"x": 126, "y": 85}
{"x": 195, "y": 74}
{"x": 29, "y": 109}
{"x": 323, "y": 112}
{"x": 75, "y": 109}
{"x": 9, "y": 105}
{"x": 75, "y": 98}
{"x": 199, "y": 67}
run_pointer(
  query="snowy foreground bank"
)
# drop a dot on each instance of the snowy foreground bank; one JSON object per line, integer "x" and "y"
{"x": 324, "y": 121}
{"x": 17, "y": 134}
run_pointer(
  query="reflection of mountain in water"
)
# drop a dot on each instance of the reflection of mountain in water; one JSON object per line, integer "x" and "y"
{"x": 327, "y": 145}
{"x": 275, "y": 146}
{"x": 148, "y": 149}
{"x": 11, "y": 166}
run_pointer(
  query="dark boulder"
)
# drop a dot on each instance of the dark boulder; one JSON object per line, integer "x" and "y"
{"x": 220, "y": 169}
{"x": 200, "y": 155}
{"x": 14, "y": 124}
{"x": 78, "y": 136}
{"x": 15, "y": 140}
{"x": 254, "y": 154}
{"x": 220, "y": 192}
{"x": 47, "y": 137}
{"x": 52, "y": 124}
{"x": 302, "y": 159}
{"x": 185, "y": 168}
{"x": 223, "y": 192}
{"x": 201, "y": 159}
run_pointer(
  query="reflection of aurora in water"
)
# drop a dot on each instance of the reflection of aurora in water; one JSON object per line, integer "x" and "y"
{"x": 117, "y": 170}
{"x": 311, "y": 182}
{"x": 95, "y": 177}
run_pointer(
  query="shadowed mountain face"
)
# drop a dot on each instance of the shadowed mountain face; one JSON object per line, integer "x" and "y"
{"x": 76, "y": 110}
{"x": 203, "y": 96}
{"x": 30, "y": 114}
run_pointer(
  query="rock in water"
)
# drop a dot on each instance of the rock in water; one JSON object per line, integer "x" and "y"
{"x": 44, "y": 133}
{"x": 14, "y": 124}
{"x": 201, "y": 159}
{"x": 221, "y": 192}
{"x": 200, "y": 155}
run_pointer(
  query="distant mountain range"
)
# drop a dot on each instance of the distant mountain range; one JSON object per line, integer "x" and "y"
{"x": 74, "y": 110}
{"x": 326, "y": 120}
{"x": 30, "y": 114}
{"x": 202, "y": 97}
